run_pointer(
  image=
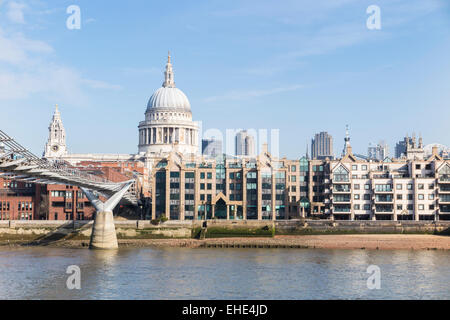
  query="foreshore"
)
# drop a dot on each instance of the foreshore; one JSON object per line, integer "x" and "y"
{"x": 360, "y": 241}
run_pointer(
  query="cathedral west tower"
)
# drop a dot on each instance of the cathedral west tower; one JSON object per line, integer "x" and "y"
{"x": 56, "y": 144}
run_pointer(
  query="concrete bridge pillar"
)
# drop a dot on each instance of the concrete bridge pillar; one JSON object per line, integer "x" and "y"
{"x": 104, "y": 231}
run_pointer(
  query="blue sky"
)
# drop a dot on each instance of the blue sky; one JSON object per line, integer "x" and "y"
{"x": 297, "y": 66}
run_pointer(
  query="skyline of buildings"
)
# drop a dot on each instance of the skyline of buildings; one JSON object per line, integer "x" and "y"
{"x": 173, "y": 179}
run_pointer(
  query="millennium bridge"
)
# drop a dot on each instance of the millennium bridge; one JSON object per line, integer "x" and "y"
{"x": 17, "y": 163}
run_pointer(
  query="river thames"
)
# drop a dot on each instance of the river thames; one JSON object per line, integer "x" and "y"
{"x": 180, "y": 273}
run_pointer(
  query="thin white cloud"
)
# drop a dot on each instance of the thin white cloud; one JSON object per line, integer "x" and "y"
{"x": 16, "y": 49}
{"x": 27, "y": 69}
{"x": 15, "y": 12}
{"x": 243, "y": 95}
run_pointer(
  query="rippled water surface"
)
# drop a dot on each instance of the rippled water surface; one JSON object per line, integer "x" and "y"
{"x": 40, "y": 273}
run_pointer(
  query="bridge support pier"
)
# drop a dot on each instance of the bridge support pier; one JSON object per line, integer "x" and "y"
{"x": 104, "y": 231}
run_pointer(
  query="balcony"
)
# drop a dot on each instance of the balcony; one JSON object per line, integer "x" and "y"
{"x": 445, "y": 198}
{"x": 340, "y": 209}
{"x": 383, "y": 199}
{"x": 341, "y": 188}
{"x": 444, "y": 189}
{"x": 341, "y": 199}
{"x": 383, "y": 190}
{"x": 443, "y": 209}
{"x": 444, "y": 179}
{"x": 384, "y": 209}
{"x": 340, "y": 212}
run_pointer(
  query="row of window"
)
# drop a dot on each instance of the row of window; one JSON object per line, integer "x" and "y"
{"x": 24, "y": 206}
{"x": 388, "y": 187}
{"x": 232, "y": 175}
{"x": 4, "y": 205}
{"x": 399, "y": 207}
{"x": 14, "y": 185}
{"x": 388, "y": 198}
{"x": 69, "y": 216}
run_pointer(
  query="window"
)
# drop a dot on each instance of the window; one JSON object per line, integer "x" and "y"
{"x": 399, "y": 187}
{"x": 367, "y": 187}
{"x": 354, "y": 167}
{"x": 341, "y": 174}
{"x": 356, "y": 207}
{"x": 421, "y": 197}
{"x": 399, "y": 197}
{"x": 418, "y": 166}
{"x": 356, "y": 186}
{"x": 383, "y": 187}
{"x": 431, "y": 186}
{"x": 399, "y": 207}
{"x": 431, "y": 197}
{"x": 410, "y": 197}
{"x": 202, "y": 175}
{"x": 293, "y": 179}
{"x": 410, "y": 186}
{"x": 356, "y": 196}
{"x": 209, "y": 175}
{"x": 293, "y": 168}
{"x": 252, "y": 175}
{"x": 366, "y": 196}
{"x": 444, "y": 173}
{"x": 174, "y": 174}
{"x": 420, "y": 186}
{"x": 431, "y": 207}
{"x": 202, "y": 186}
{"x": 209, "y": 186}
{"x": 364, "y": 167}
{"x": 367, "y": 207}
{"x": 421, "y": 207}
{"x": 231, "y": 175}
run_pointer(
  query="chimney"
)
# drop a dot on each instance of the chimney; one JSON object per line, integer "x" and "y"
{"x": 435, "y": 151}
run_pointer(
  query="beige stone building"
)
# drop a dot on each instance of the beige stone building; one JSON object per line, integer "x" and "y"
{"x": 266, "y": 188}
